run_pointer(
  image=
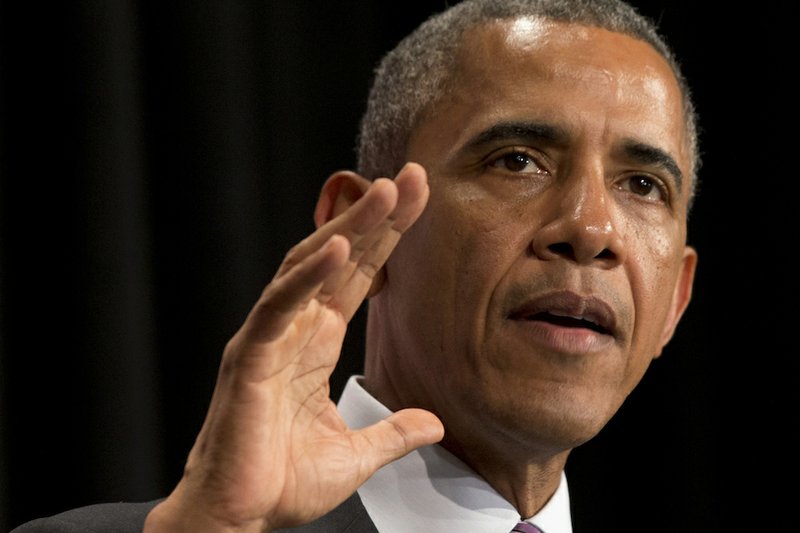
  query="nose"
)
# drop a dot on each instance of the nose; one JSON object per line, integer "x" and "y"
{"x": 580, "y": 224}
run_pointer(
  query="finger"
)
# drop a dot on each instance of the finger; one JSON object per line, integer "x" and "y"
{"x": 413, "y": 192}
{"x": 368, "y": 254}
{"x": 359, "y": 220}
{"x": 371, "y": 251}
{"x": 395, "y": 436}
{"x": 285, "y": 296}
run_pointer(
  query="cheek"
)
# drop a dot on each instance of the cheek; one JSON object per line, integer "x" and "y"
{"x": 485, "y": 236}
{"x": 457, "y": 253}
{"x": 653, "y": 268}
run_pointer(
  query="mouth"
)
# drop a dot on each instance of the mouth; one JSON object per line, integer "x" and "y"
{"x": 568, "y": 311}
{"x": 564, "y": 321}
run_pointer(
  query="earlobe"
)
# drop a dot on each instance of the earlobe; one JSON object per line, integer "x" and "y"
{"x": 341, "y": 190}
{"x": 681, "y": 295}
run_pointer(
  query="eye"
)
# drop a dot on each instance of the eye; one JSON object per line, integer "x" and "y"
{"x": 646, "y": 187}
{"x": 518, "y": 162}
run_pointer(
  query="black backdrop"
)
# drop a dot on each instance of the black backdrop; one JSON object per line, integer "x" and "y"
{"x": 158, "y": 158}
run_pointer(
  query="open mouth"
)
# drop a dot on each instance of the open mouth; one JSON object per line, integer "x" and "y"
{"x": 567, "y": 309}
{"x": 563, "y": 321}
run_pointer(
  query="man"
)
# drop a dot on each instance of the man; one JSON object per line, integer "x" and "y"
{"x": 523, "y": 268}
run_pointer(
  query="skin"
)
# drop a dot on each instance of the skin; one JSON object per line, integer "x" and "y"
{"x": 494, "y": 234}
{"x": 522, "y": 222}
{"x": 273, "y": 450}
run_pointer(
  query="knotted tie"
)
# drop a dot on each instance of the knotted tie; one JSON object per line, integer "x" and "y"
{"x": 525, "y": 527}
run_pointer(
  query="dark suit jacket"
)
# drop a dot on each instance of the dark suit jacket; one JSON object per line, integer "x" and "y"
{"x": 349, "y": 517}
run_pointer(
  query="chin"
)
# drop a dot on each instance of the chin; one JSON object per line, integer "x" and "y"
{"x": 556, "y": 424}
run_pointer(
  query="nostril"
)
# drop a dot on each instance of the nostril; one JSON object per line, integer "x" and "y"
{"x": 563, "y": 249}
{"x": 606, "y": 254}
{"x": 566, "y": 250}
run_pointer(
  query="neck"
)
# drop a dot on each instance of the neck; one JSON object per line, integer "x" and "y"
{"x": 525, "y": 476}
{"x": 523, "y": 463}
{"x": 526, "y": 480}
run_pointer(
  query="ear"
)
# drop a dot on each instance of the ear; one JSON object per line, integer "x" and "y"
{"x": 680, "y": 295}
{"x": 341, "y": 190}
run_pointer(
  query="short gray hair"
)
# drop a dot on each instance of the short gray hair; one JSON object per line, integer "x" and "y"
{"x": 412, "y": 77}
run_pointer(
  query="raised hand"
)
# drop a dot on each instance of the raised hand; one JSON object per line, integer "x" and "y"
{"x": 273, "y": 450}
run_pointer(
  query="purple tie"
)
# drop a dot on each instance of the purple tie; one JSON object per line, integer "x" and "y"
{"x": 525, "y": 527}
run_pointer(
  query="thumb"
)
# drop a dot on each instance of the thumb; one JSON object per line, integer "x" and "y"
{"x": 397, "y": 435}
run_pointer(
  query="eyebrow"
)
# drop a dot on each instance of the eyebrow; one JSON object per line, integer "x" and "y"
{"x": 640, "y": 152}
{"x": 650, "y": 155}
{"x": 505, "y": 131}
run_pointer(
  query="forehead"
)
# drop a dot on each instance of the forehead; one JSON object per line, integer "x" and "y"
{"x": 584, "y": 79}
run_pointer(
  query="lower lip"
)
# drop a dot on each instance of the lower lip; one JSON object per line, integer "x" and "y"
{"x": 562, "y": 339}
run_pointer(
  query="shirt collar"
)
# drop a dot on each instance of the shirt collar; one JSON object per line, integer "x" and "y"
{"x": 432, "y": 490}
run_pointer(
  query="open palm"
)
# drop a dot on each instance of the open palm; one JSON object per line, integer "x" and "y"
{"x": 273, "y": 450}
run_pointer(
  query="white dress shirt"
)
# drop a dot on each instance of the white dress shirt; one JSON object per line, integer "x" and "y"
{"x": 431, "y": 490}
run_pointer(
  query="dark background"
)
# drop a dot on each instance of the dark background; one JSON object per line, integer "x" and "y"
{"x": 158, "y": 158}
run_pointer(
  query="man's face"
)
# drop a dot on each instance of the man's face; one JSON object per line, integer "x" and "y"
{"x": 549, "y": 267}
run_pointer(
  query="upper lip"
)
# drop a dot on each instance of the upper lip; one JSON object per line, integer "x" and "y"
{"x": 567, "y": 307}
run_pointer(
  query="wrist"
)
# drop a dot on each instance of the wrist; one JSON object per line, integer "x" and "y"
{"x": 172, "y": 516}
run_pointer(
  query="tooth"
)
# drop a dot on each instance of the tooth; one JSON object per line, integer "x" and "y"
{"x": 565, "y": 315}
